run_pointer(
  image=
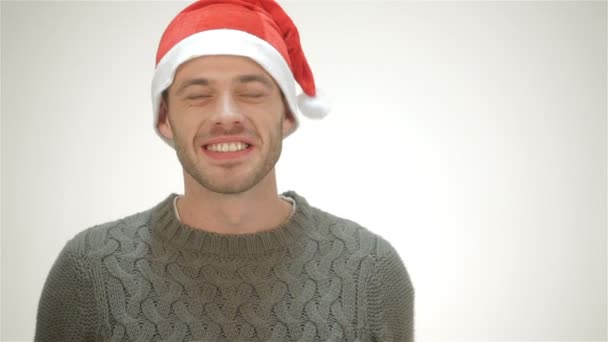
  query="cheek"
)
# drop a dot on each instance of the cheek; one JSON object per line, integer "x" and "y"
{"x": 183, "y": 127}
{"x": 185, "y": 115}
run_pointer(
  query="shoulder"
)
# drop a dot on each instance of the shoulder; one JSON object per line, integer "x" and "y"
{"x": 349, "y": 231}
{"x": 376, "y": 246}
{"x": 103, "y": 236}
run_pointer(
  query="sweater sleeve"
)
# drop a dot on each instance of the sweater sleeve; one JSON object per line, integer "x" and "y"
{"x": 67, "y": 309}
{"x": 390, "y": 298}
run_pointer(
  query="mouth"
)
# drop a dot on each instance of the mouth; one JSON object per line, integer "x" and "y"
{"x": 227, "y": 150}
{"x": 227, "y": 147}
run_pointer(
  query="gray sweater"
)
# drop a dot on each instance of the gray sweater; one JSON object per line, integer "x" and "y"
{"x": 148, "y": 277}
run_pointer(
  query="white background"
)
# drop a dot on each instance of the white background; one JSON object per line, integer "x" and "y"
{"x": 472, "y": 135}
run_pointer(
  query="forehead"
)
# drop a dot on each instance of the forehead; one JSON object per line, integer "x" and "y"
{"x": 219, "y": 67}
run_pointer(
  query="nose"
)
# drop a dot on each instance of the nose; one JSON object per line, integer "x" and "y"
{"x": 227, "y": 112}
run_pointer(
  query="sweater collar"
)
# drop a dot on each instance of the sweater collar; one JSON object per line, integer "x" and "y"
{"x": 166, "y": 226}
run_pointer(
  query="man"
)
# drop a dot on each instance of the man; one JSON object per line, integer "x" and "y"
{"x": 230, "y": 260}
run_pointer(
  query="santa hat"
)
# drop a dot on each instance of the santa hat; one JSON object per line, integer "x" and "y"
{"x": 258, "y": 29}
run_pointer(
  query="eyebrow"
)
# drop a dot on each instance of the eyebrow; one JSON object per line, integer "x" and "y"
{"x": 194, "y": 81}
{"x": 255, "y": 78}
{"x": 240, "y": 79}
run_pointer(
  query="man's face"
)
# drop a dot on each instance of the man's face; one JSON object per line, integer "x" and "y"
{"x": 227, "y": 119}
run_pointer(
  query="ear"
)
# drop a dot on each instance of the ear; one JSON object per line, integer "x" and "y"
{"x": 163, "y": 124}
{"x": 289, "y": 123}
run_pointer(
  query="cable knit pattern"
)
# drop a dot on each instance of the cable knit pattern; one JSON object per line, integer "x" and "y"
{"x": 148, "y": 277}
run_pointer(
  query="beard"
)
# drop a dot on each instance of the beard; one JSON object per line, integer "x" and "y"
{"x": 221, "y": 184}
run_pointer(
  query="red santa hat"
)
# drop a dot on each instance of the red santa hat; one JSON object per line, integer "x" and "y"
{"x": 258, "y": 29}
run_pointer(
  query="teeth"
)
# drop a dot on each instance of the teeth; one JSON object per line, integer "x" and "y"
{"x": 227, "y": 147}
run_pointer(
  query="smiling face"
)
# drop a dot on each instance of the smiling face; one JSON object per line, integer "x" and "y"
{"x": 227, "y": 119}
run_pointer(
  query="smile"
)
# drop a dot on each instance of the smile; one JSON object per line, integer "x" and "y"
{"x": 227, "y": 147}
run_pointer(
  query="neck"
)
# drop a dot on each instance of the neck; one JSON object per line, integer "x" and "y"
{"x": 257, "y": 209}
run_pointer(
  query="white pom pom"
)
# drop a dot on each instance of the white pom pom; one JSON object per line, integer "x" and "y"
{"x": 316, "y": 107}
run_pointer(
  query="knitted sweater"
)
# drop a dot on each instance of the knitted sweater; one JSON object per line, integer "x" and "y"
{"x": 149, "y": 277}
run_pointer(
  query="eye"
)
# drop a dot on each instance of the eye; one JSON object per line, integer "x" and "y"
{"x": 198, "y": 97}
{"x": 252, "y": 94}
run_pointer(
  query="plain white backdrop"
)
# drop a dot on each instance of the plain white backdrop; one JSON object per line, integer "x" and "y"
{"x": 472, "y": 135}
